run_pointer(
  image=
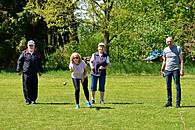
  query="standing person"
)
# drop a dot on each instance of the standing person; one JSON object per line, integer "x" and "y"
{"x": 79, "y": 73}
{"x": 29, "y": 63}
{"x": 172, "y": 66}
{"x": 99, "y": 63}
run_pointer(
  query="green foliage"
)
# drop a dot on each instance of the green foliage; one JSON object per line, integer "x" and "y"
{"x": 57, "y": 13}
{"x": 86, "y": 47}
{"x": 7, "y": 40}
{"x": 88, "y": 40}
{"x": 60, "y": 59}
{"x": 141, "y": 26}
{"x": 131, "y": 28}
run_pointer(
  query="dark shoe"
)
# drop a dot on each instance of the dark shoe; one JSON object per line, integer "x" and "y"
{"x": 28, "y": 102}
{"x": 64, "y": 83}
{"x": 33, "y": 102}
{"x": 168, "y": 105}
{"x": 92, "y": 101}
{"x": 177, "y": 105}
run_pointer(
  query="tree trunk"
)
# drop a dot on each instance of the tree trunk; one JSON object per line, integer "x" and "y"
{"x": 106, "y": 40}
{"x": 107, "y": 11}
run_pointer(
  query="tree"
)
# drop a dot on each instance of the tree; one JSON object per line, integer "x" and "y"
{"x": 99, "y": 16}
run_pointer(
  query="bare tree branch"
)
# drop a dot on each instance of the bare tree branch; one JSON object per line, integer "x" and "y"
{"x": 112, "y": 38}
{"x": 110, "y": 8}
{"x": 94, "y": 1}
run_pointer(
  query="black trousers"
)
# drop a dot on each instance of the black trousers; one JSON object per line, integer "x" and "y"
{"x": 30, "y": 87}
{"x": 76, "y": 83}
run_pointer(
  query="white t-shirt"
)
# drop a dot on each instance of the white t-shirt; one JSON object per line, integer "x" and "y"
{"x": 78, "y": 70}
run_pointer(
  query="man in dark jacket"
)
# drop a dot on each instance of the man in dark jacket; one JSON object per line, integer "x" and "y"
{"x": 30, "y": 64}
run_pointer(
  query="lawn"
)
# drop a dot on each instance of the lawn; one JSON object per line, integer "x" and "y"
{"x": 131, "y": 103}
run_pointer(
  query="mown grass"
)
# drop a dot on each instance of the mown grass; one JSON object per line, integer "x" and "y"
{"x": 131, "y": 103}
{"x": 142, "y": 68}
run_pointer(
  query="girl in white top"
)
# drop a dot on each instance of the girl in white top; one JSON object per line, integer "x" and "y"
{"x": 79, "y": 73}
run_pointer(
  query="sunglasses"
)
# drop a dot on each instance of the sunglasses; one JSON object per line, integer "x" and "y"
{"x": 101, "y": 46}
{"x": 75, "y": 58}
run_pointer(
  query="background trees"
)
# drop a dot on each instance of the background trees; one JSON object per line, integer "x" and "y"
{"x": 131, "y": 29}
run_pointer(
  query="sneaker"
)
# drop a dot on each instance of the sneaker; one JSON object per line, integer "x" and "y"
{"x": 92, "y": 101}
{"x": 168, "y": 105}
{"x": 102, "y": 102}
{"x": 88, "y": 104}
{"x": 177, "y": 105}
{"x": 77, "y": 106}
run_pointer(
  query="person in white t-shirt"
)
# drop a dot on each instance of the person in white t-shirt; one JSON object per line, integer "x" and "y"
{"x": 79, "y": 73}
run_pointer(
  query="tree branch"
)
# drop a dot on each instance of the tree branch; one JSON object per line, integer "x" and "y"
{"x": 94, "y": 1}
{"x": 112, "y": 38}
{"x": 110, "y": 8}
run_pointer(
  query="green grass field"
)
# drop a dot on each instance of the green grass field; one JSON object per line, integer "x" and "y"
{"x": 131, "y": 103}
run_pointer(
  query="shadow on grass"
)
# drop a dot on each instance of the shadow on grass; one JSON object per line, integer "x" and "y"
{"x": 125, "y": 103}
{"x": 101, "y": 107}
{"x": 45, "y": 103}
{"x": 187, "y": 106}
{"x": 116, "y": 103}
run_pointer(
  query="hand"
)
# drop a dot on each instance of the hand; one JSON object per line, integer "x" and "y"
{"x": 162, "y": 73}
{"x": 182, "y": 73}
{"x": 82, "y": 80}
{"x": 92, "y": 67}
{"x": 102, "y": 68}
{"x": 40, "y": 74}
{"x": 71, "y": 69}
{"x": 19, "y": 73}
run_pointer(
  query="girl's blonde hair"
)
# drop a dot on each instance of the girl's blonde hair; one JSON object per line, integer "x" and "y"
{"x": 75, "y": 54}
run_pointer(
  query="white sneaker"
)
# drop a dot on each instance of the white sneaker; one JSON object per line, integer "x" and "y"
{"x": 89, "y": 105}
{"x": 77, "y": 106}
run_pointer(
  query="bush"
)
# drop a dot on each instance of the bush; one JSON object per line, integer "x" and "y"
{"x": 61, "y": 57}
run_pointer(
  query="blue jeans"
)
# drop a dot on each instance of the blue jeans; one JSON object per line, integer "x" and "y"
{"x": 102, "y": 81}
{"x": 176, "y": 75}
